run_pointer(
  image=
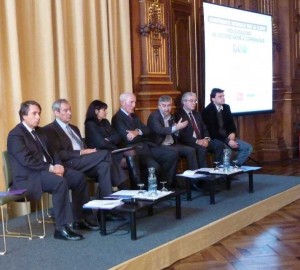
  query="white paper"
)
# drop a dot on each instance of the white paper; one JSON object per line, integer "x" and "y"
{"x": 192, "y": 174}
{"x": 232, "y": 170}
{"x": 146, "y": 196}
{"x": 126, "y": 192}
{"x": 103, "y": 204}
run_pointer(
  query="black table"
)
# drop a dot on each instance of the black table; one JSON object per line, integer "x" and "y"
{"x": 212, "y": 176}
{"x": 133, "y": 207}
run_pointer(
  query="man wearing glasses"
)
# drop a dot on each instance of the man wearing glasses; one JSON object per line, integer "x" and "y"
{"x": 165, "y": 131}
{"x": 195, "y": 134}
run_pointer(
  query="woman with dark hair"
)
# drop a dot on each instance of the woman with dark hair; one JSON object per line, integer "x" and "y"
{"x": 100, "y": 134}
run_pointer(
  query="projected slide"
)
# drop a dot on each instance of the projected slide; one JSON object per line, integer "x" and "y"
{"x": 238, "y": 57}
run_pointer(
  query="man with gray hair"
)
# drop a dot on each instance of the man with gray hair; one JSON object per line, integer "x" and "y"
{"x": 165, "y": 131}
{"x": 195, "y": 134}
{"x": 66, "y": 141}
{"x": 134, "y": 133}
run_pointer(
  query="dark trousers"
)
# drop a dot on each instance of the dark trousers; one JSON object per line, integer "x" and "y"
{"x": 58, "y": 186}
{"x": 162, "y": 159}
{"x": 215, "y": 147}
{"x": 186, "y": 152}
{"x": 102, "y": 166}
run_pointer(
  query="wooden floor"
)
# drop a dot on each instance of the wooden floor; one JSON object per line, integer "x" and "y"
{"x": 271, "y": 243}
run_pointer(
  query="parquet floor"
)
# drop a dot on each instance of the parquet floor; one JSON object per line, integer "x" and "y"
{"x": 271, "y": 243}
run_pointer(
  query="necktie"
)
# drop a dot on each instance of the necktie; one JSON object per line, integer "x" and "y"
{"x": 74, "y": 137}
{"x": 195, "y": 128}
{"x": 41, "y": 147}
{"x": 168, "y": 139}
{"x": 130, "y": 117}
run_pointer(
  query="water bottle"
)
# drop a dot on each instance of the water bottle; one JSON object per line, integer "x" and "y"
{"x": 152, "y": 183}
{"x": 226, "y": 160}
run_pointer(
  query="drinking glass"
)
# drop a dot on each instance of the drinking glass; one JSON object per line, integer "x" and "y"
{"x": 217, "y": 165}
{"x": 235, "y": 166}
{"x": 141, "y": 185}
{"x": 163, "y": 189}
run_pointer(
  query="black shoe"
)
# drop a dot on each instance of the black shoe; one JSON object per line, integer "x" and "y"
{"x": 110, "y": 216}
{"x": 67, "y": 234}
{"x": 85, "y": 225}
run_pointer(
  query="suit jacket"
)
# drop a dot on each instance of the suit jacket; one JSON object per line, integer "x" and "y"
{"x": 158, "y": 131}
{"x": 101, "y": 135}
{"x": 61, "y": 145}
{"x": 27, "y": 160}
{"x": 211, "y": 119}
{"x": 122, "y": 122}
{"x": 186, "y": 134}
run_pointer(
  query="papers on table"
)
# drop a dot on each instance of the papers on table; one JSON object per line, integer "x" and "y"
{"x": 192, "y": 174}
{"x": 203, "y": 172}
{"x": 116, "y": 199}
{"x": 126, "y": 193}
{"x": 138, "y": 194}
{"x": 146, "y": 196}
{"x": 221, "y": 170}
{"x": 103, "y": 204}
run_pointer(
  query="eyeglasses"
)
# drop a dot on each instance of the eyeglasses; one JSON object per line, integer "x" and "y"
{"x": 192, "y": 101}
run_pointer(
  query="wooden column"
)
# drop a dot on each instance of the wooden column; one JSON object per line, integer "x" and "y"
{"x": 151, "y": 54}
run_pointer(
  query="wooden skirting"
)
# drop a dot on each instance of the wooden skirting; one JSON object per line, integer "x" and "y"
{"x": 165, "y": 255}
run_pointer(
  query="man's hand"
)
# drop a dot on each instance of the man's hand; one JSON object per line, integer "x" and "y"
{"x": 131, "y": 134}
{"x": 202, "y": 142}
{"x": 232, "y": 136}
{"x": 233, "y": 144}
{"x": 181, "y": 124}
{"x": 58, "y": 170}
{"x": 87, "y": 151}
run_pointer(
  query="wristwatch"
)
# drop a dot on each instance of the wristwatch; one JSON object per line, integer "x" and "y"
{"x": 208, "y": 139}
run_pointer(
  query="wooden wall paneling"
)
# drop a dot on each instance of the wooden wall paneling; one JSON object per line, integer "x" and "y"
{"x": 151, "y": 62}
{"x": 294, "y": 71}
{"x": 266, "y": 129}
{"x": 184, "y": 47}
{"x": 286, "y": 30}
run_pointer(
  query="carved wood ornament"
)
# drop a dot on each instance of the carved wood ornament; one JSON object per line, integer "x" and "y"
{"x": 155, "y": 28}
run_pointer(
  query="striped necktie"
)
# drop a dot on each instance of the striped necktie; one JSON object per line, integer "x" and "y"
{"x": 74, "y": 137}
{"x": 195, "y": 128}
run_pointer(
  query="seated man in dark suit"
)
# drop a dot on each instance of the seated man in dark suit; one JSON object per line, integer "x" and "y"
{"x": 65, "y": 140}
{"x": 195, "y": 134}
{"x": 37, "y": 171}
{"x": 134, "y": 133}
{"x": 165, "y": 131}
{"x": 219, "y": 121}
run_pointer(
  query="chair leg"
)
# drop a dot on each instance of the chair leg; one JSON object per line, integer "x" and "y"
{"x": 6, "y": 233}
{"x": 47, "y": 212}
{"x": 42, "y": 221}
{"x": 3, "y": 232}
{"x": 18, "y": 234}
